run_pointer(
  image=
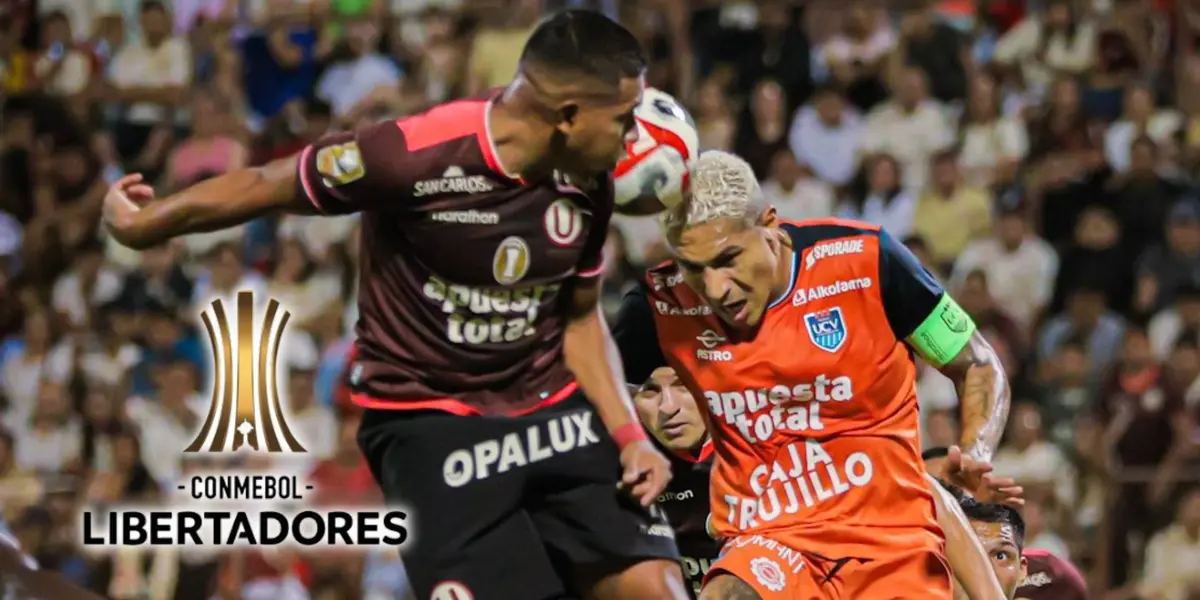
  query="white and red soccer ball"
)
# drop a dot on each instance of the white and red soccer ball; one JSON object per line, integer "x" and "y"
{"x": 653, "y": 174}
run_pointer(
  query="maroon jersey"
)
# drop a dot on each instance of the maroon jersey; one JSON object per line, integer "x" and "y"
{"x": 463, "y": 265}
{"x": 1051, "y": 578}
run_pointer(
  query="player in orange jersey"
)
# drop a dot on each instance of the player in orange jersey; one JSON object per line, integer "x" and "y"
{"x": 799, "y": 338}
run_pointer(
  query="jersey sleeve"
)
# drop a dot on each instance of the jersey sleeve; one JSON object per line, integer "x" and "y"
{"x": 355, "y": 171}
{"x": 591, "y": 263}
{"x": 918, "y": 308}
{"x": 637, "y": 337}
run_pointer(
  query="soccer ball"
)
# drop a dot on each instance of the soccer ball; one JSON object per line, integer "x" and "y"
{"x": 653, "y": 174}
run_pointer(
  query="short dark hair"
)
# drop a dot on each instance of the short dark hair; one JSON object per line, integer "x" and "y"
{"x": 935, "y": 453}
{"x": 152, "y": 5}
{"x": 995, "y": 513}
{"x": 588, "y": 42}
{"x": 954, "y": 490}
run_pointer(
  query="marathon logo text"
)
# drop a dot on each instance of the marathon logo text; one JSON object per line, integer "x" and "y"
{"x": 835, "y": 248}
{"x": 518, "y": 449}
{"x": 819, "y": 292}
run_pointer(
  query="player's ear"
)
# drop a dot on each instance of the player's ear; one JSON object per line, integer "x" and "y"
{"x": 1024, "y": 567}
{"x": 769, "y": 218}
{"x": 568, "y": 115}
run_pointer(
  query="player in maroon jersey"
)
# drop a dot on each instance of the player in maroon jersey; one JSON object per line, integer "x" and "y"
{"x": 1024, "y": 574}
{"x": 483, "y": 227}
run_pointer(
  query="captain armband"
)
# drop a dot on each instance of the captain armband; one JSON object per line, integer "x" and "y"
{"x": 943, "y": 334}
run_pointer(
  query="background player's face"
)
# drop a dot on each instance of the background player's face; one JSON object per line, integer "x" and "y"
{"x": 595, "y": 137}
{"x": 1000, "y": 542}
{"x": 668, "y": 409}
{"x": 732, "y": 265}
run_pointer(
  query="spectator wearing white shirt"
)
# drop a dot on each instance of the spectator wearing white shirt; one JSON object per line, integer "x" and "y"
{"x": 150, "y": 77}
{"x": 315, "y": 426}
{"x": 856, "y": 56}
{"x": 1139, "y": 117}
{"x": 52, "y": 440}
{"x": 794, "y": 192}
{"x": 226, "y": 276}
{"x": 1173, "y": 555}
{"x": 1056, "y": 42}
{"x": 89, "y": 284}
{"x": 169, "y": 421}
{"x": 884, "y": 201}
{"x": 1038, "y": 465}
{"x": 911, "y": 127}
{"x": 350, "y": 82}
{"x": 62, "y": 69}
{"x": 1020, "y": 267}
{"x": 827, "y": 135}
{"x": 41, "y": 355}
{"x": 992, "y": 144}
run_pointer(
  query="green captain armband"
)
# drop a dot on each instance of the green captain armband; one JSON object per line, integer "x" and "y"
{"x": 943, "y": 334}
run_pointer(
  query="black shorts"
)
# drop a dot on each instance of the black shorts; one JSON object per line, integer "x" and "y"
{"x": 505, "y": 508}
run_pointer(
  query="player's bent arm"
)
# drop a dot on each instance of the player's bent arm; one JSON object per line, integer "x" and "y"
{"x": 984, "y": 396}
{"x": 223, "y": 201}
{"x": 974, "y": 576}
{"x": 934, "y": 326}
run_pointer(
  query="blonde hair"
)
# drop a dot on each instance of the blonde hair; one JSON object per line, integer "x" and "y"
{"x": 722, "y": 186}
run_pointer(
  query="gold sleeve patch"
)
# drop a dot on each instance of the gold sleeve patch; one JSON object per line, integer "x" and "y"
{"x": 340, "y": 164}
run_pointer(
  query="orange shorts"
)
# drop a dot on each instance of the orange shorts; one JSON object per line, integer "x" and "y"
{"x": 779, "y": 572}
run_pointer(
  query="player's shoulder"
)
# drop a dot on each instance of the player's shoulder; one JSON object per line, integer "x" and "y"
{"x": 1050, "y": 572}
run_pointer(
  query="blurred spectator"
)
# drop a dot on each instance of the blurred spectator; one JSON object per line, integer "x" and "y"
{"x": 52, "y": 440}
{"x": 827, "y": 135}
{"x": 1142, "y": 197}
{"x": 1164, "y": 269}
{"x": 777, "y": 49}
{"x": 1094, "y": 254}
{"x": 1088, "y": 317}
{"x": 40, "y": 354}
{"x": 936, "y": 48}
{"x": 1021, "y": 268}
{"x": 1048, "y": 44}
{"x": 1067, "y": 387}
{"x": 1038, "y": 535}
{"x": 794, "y": 192}
{"x": 992, "y": 145}
{"x": 949, "y": 214}
{"x": 62, "y": 69}
{"x": 1033, "y": 461}
{"x": 89, "y": 283}
{"x": 19, "y": 487}
{"x": 497, "y": 48}
{"x": 714, "y": 117}
{"x": 857, "y": 57}
{"x": 1174, "y": 322}
{"x": 880, "y": 198}
{"x": 149, "y": 78}
{"x": 1139, "y": 117}
{"x": 911, "y": 127}
{"x": 1172, "y": 555}
{"x": 211, "y": 149}
{"x": 359, "y": 76}
{"x": 763, "y": 128}
{"x": 170, "y": 417}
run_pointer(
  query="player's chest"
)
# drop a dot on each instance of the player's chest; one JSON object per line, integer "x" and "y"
{"x": 504, "y": 236}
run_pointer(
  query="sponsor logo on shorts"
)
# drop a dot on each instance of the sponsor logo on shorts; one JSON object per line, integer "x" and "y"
{"x": 826, "y": 328}
{"x": 710, "y": 340}
{"x": 672, "y": 496}
{"x": 694, "y": 570}
{"x": 768, "y": 573}
{"x": 518, "y": 449}
{"x": 453, "y": 181}
{"x": 451, "y": 590}
{"x": 465, "y": 217}
{"x": 820, "y": 292}
{"x": 834, "y": 248}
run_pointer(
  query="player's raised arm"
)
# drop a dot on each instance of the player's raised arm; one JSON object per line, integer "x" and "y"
{"x": 973, "y": 573}
{"x": 924, "y": 315}
{"x": 336, "y": 175}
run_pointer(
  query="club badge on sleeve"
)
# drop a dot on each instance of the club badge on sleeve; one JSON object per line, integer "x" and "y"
{"x": 340, "y": 164}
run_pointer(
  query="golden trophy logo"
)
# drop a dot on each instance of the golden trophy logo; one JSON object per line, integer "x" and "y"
{"x": 245, "y": 411}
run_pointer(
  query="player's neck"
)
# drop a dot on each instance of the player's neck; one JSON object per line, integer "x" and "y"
{"x": 785, "y": 264}
{"x": 514, "y": 132}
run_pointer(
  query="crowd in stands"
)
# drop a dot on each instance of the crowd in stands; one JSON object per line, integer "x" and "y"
{"x": 1040, "y": 156}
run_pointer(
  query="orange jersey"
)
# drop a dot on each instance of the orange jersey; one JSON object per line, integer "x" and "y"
{"x": 814, "y": 418}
